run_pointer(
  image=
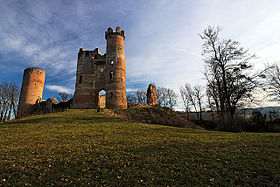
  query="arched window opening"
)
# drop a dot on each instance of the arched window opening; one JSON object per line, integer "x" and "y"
{"x": 112, "y": 62}
{"x": 102, "y": 98}
{"x": 80, "y": 79}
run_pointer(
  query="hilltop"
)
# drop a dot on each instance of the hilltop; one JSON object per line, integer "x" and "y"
{"x": 82, "y": 147}
{"x": 153, "y": 114}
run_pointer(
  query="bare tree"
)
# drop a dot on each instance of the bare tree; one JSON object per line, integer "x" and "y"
{"x": 271, "y": 84}
{"x": 4, "y": 87}
{"x": 198, "y": 94}
{"x": 63, "y": 96}
{"x": 227, "y": 71}
{"x": 141, "y": 96}
{"x": 9, "y": 96}
{"x": 71, "y": 96}
{"x": 211, "y": 102}
{"x": 131, "y": 98}
{"x": 171, "y": 98}
{"x": 161, "y": 96}
{"x": 186, "y": 101}
{"x": 14, "y": 98}
{"x": 193, "y": 96}
{"x": 166, "y": 97}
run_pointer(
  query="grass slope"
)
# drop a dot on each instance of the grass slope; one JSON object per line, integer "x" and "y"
{"x": 85, "y": 148}
{"x": 154, "y": 115}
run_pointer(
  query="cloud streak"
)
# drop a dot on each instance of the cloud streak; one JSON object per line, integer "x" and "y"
{"x": 59, "y": 89}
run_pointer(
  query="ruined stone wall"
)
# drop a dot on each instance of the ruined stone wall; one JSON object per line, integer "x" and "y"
{"x": 31, "y": 90}
{"x": 49, "y": 106}
{"x": 151, "y": 94}
{"x": 90, "y": 78}
{"x": 96, "y": 72}
{"x": 45, "y": 107}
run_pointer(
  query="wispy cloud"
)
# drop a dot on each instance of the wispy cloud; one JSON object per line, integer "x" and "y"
{"x": 59, "y": 89}
{"x": 188, "y": 52}
{"x": 131, "y": 90}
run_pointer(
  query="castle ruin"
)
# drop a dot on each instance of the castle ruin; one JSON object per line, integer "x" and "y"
{"x": 97, "y": 72}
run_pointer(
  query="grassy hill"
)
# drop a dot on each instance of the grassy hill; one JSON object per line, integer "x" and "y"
{"x": 154, "y": 115}
{"x": 82, "y": 147}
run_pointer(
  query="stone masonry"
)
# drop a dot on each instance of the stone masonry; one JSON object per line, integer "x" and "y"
{"x": 152, "y": 95}
{"x": 96, "y": 72}
{"x": 31, "y": 90}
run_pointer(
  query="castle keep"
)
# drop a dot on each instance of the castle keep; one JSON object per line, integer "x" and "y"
{"x": 96, "y": 72}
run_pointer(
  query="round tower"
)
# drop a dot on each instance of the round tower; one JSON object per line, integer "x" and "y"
{"x": 115, "y": 61}
{"x": 31, "y": 90}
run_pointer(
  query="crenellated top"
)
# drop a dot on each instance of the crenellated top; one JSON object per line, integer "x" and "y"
{"x": 118, "y": 32}
{"x": 33, "y": 69}
{"x": 95, "y": 51}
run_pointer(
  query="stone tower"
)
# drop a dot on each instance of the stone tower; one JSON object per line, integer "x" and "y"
{"x": 96, "y": 72}
{"x": 152, "y": 94}
{"x": 115, "y": 58}
{"x": 31, "y": 90}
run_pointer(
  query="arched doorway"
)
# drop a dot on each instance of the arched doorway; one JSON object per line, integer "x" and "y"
{"x": 102, "y": 98}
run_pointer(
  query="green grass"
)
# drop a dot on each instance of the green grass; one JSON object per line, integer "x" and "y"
{"x": 86, "y": 148}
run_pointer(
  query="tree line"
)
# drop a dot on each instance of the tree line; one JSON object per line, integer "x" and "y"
{"x": 230, "y": 82}
{"x": 166, "y": 97}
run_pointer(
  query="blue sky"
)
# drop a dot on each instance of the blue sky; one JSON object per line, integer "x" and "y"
{"x": 162, "y": 43}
